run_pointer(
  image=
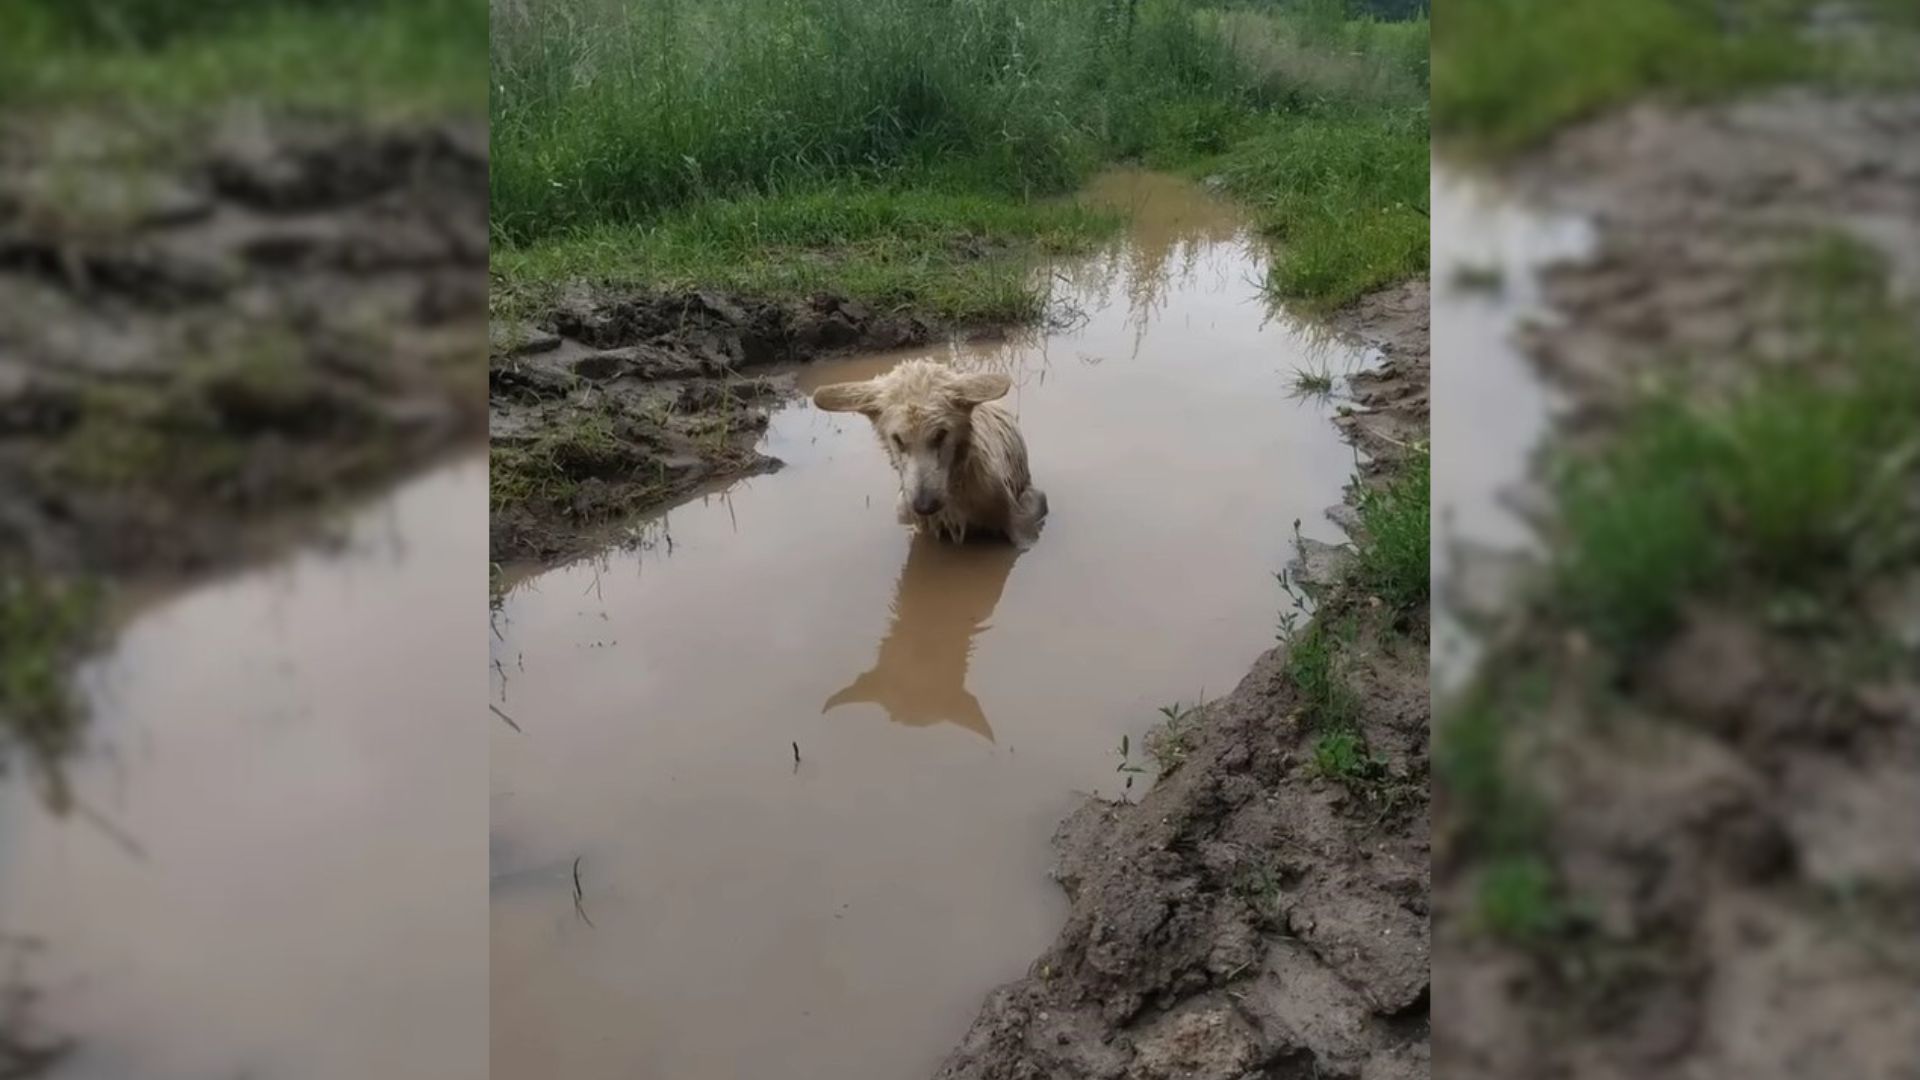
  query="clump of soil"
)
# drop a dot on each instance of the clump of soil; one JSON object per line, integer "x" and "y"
{"x": 613, "y": 403}
{"x": 1738, "y": 898}
{"x": 198, "y": 333}
{"x": 1252, "y": 916}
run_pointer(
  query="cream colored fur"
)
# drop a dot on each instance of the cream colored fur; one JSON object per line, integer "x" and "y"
{"x": 959, "y": 454}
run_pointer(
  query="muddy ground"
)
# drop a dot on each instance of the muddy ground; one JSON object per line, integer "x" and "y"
{"x": 1250, "y": 917}
{"x": 615, "y": 402}
{"x": 203, "y": 327}
{"x": 1731, "y": 814}
{"x": 206, "y": 333}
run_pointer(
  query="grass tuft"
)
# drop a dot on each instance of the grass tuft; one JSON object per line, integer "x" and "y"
{"x": 45, "y": 627}
{"x": 1804, "y": 470}
{"x": 1395, "y": 560}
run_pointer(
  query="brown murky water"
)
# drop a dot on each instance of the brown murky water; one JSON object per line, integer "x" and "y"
{"x": 286, "y": 882}
{"x": 743, "y": 914}
{"x": 1490, "y": 405}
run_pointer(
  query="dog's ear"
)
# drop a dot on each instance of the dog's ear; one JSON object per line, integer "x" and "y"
{"x": 979, "y": 388}
{"x": 857, "y": 397}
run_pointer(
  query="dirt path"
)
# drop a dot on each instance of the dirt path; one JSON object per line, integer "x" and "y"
{"x": 202, "y": 327}
{"x": 1744, "y": 899}
{"x": 1250, "y": 917}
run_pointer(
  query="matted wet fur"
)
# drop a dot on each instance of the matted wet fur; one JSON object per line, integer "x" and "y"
{"x": 961, "y": 459}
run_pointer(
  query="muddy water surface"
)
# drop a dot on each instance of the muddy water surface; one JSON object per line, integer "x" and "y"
{"x": 1490, "y": 405}
{"x": 281, "y": 875}
{"x": 677, "y": 895}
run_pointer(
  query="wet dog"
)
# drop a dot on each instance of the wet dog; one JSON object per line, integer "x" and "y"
{"x": 961, "y": 459}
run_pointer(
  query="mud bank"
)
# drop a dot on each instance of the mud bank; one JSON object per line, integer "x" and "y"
{"x": 1250, "y": 916}
{"x": 1738, "y": 901}
{"x": 613, "y": 404}
{"x": 200, "y": 328}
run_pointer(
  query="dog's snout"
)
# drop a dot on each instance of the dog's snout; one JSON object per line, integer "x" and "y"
{"x": 927, "y": 505}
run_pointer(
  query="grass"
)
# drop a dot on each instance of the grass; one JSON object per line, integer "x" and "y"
{"x": 1803, "y": 470}
{"x": 1344, "y": 192}
{"x": 1517, "y": 898}
{"x": 1312, "y": 383}
{"x": 1395, "y": 561}
{"x": 45, "y": 626}
{"x": 1508, "y": 72}
{"x": 1313, "y": 663}
{"x": 379, "y": 58}
{"x": 548, "y": 468}
{"x": 901, "y": 152}
{"x": 951, "y": 255}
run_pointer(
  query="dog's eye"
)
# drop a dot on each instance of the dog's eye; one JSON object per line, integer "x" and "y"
{"x": 899, "y": 443}
{"x": 939, "y": 438}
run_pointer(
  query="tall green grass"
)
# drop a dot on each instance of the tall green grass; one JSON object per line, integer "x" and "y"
{"x": 1344, "y": 190}
{"x": 378, "y": 57}
{"x": 1507, "y": 72}
{"x": 616, "y": 125}
{"x": 617, "y": 112}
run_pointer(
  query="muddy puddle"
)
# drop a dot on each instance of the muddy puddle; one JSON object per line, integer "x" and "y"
{"x": 781, "y": 791}
{"x": 1491, "y": 406}
{"x": 273, "y": 874}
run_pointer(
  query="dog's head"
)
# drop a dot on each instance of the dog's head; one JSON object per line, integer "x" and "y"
{"x": 923, "y": 412}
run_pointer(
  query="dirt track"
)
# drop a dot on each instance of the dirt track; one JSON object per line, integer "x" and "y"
{"x": 202, "y": 328}
{"x": 1730, "y": 830}
{"x": 1249, "y": 917}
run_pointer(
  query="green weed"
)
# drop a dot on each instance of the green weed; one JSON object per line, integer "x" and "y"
{"x": 1313, "y": 663}
{"x": 1312, "y": 383}
{"x": 1342, "y": 754}
{"x": 1395, "y": 556}
{"x": 1517, "y": 899}
{"x": 45, "y": 626}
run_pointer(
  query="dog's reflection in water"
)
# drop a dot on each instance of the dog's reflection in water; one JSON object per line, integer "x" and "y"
{"x": 945, "y": 597}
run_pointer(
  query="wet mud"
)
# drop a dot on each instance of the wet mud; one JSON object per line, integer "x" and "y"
{"x": 612, "y": 405}
{"x": 201, "y": 328}
{"x": 856, "y": 838}
{"x": 1725, "y": 815}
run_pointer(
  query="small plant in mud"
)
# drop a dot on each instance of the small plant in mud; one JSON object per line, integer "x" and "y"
{"x": 1172, "y": 741}
{"x": 1298, "y": 606}
{"x": 1312, "y": 384}
{"x": 1127, "y": 764}
{"x": 1262, "y": 883}
{"x": 1313, "y": 663}
{"x": 45, "y": 627}
{"x": 1343, "y": 754}
{"x": 1517, "y": 899}
{"x": 1803, "y": 472}
{"x": 1395, "y": 548}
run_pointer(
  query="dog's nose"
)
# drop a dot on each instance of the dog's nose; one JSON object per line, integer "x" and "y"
{"x": 927, "y": 505}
